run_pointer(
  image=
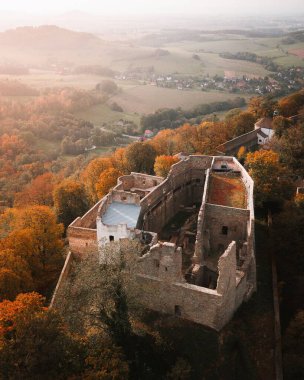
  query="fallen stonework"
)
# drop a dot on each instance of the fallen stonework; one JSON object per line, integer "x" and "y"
{"x": 196, "y": 228}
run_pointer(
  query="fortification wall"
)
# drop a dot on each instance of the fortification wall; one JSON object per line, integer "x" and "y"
{"x": 248, "y": 140}
{"x": 88, "y": 220}
{"x": 183, "y": 187}
{"x": 82, "y": 241}
{"x": 162, "y": 291}
{"x": 199, "y": 250}
{"x": 63, "y": 277}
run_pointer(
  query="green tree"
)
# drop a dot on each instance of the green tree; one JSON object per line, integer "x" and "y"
{"x": 140, "y": 157}
{"x": 70, "y": 201}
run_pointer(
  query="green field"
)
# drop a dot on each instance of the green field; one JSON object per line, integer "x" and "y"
{"x": 102, "y": 113}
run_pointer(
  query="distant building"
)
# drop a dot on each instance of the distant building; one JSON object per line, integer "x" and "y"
{"x": 260, "y": 135}
{"x": 148, "y": 134}
{"x": 264, "y": 126}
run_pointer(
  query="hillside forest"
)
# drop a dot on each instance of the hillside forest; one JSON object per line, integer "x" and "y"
{"x": 49, "y": 176}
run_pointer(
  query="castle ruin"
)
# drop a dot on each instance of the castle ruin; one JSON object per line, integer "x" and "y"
{"x": 197, "y": 230}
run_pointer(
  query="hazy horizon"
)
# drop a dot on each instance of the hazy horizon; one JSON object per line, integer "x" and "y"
{"x": 174, "y": 7}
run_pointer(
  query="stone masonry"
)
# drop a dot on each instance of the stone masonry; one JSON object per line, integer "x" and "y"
{"x": 199, "y": 261}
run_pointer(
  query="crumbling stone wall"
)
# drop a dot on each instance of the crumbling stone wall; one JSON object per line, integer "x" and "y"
{"x": 163, "y": 261}
{"x": 213, "y": 308}
{"x": 159, "y": 272}
{"x": 222, "y": 225}
{"x": 183, "y": 187}
{"x": 139, "y": 181}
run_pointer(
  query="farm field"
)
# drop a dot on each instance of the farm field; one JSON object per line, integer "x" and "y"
{"x": 147, "y": 99}
{"x": 102, "y": 113}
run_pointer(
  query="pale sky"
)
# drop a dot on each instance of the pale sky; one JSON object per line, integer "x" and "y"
{"x": 120, "y": 7}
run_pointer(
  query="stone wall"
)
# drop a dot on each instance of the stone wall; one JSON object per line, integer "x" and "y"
{"x": 163, "y": 261}
{"x": 223, "y": 225}
{"x": 82, "y": 241}
{"x": 63, "y": 277}
{"x": 124, "y": 197}
{"x": 213, "y": 308}
{"x": 231, "y": 147}
{"x": 88, "y": 220}
{"x": 138, "y": 180}
{"x": 184, "y": 186}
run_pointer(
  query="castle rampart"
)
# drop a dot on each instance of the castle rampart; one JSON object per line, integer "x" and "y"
{"x": 197, "y": 230}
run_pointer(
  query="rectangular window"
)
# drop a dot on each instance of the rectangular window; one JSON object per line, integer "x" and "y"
{"x": 111, "y": 238}
{"x": 224, "y": 230}
{"x": 177, "y": 310}
{"x": 156, "y": 263}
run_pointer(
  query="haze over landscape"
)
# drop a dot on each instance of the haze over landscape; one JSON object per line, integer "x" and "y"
{"x": 151, "y": 190}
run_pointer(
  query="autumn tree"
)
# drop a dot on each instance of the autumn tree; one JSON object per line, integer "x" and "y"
{"x": 91, "y": 174}
{"x": 163, "y": 165}
{"x": 38, "y": 192}
{"x": 270, "y": 177}
{"x": 104, "y": 360}
{"x": 185, "y": 140}
{"x": 262, "y": 106}
{"x": 34, "y": 342}
{"x": 140, "y": 157}
{"x": 70, "y": 201}
{"x": 290, "y": 147}
{"x": 280, "y": 125}
{"x": 241, "y": 155}
{"x": 15, "y": 275}
{"x": 34, "y": 234}
{"x": 163, "y": 142}
{"x": 242, "y": 123}
{"x": 290, "y": 105}
{"x": 293, "y": 350}
{"x": 107, "y": 180}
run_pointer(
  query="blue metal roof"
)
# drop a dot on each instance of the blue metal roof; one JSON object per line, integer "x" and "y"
{"x": 121, "y": 213}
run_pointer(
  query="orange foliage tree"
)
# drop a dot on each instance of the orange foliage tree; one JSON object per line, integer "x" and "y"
{"x": 163, "y": 165}
{"x": 34, "y": 234}
{"x": 107, "y": 180}
{"x": 269, "y": 175}
{"x": 15, "y": 275}
{"x": 91, "y": 174}
{"x": 38, "y": 192}
{"x": 34, "y": 343}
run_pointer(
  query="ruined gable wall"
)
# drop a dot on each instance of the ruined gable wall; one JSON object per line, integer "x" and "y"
{"x": 217, "y": 217}
{"x": 226, "y": 284}
{"x": 137, "y": 180}
{"x": 124, "y": 197}
{"x": 163, "y": 261}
